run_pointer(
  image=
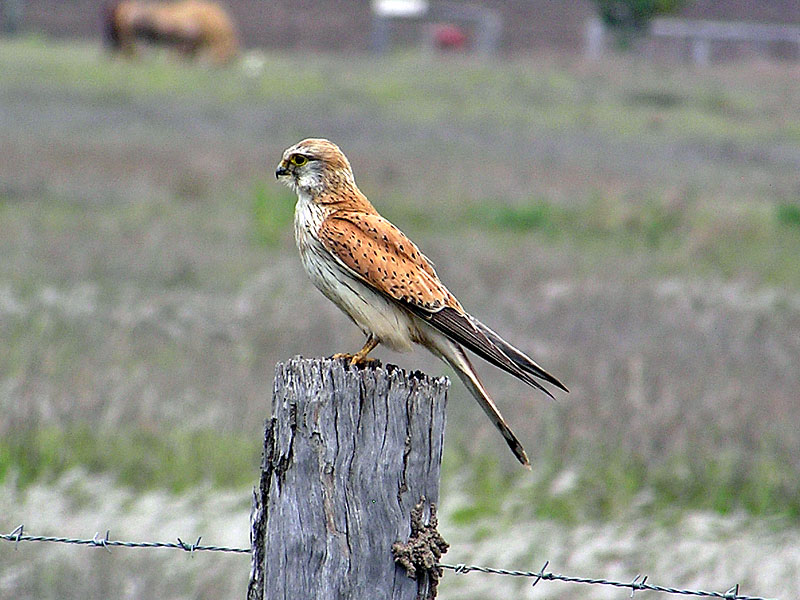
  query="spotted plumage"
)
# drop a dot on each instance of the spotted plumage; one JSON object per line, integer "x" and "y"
{"x": 384, "y": 283}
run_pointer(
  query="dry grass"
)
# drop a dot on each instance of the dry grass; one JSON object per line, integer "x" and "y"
{"x": 629, "y": 225}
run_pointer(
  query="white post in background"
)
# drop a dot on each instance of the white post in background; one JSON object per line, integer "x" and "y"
{"x": 595, "y": 38}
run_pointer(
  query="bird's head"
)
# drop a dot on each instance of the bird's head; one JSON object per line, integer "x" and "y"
{"x": 314, "y": 165}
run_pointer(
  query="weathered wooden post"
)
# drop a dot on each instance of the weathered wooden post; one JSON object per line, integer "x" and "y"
{"x": 348, "y": 453}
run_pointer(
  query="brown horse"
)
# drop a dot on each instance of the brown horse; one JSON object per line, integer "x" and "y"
{"x": 193, "y": 27}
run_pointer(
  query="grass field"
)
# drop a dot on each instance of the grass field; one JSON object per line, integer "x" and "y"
{"x": 635, "y": 227}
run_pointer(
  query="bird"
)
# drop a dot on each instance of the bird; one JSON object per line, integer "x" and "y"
{"x": 379, "y": 278}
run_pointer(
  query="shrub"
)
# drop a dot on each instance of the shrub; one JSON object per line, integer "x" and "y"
{"x": 635, "y": 14}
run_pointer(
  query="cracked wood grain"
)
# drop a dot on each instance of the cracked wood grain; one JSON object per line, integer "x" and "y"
{"x": 348, "y": 453}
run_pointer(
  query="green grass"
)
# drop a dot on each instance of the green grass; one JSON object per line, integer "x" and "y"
{"x": 273, "y": 214}
{"x": 609, "y": 485}
{"x": 788, "y": 214}
{"x": 547, "y": 96}
{"x": 672, "y": 237}
{"x": 137, "y": 458}
{"x": 649, "y": 222}
{"x": 536, "y": 216}
{"x": 605, "y": 485}
{"x": 87, "y": 71}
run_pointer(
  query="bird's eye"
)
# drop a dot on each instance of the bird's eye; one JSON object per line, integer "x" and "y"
{"x": 298, "y": 160}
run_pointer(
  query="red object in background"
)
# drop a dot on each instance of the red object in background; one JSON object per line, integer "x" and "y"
{"x": 449, "y": 37}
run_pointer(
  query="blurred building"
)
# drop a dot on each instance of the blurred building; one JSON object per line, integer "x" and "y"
{"x": 346, "y": 25}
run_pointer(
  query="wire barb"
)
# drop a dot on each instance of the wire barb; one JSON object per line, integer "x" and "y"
{"x": 190, "y": 549}
{"x": 541, "y": 573}
{"x": 733, "y": 592}
{"x": 636, "y": 584}
{"x": 17, "y": 533}
{"x": 102, "y": 541}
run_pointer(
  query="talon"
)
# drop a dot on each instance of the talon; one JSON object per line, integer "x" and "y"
{"x": 360, "y": 357}
{"x": 361, "y": 360}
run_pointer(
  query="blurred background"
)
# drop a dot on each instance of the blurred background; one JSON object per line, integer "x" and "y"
{"x": 612, "y": 185}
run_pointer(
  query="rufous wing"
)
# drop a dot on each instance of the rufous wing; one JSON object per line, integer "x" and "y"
{"x": 382, "y": 256}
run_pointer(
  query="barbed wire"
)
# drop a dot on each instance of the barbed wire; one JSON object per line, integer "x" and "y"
{"x": 639, "y": 582}
{"x": 18, "y": 535}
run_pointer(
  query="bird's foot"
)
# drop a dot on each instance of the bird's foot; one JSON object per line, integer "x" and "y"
{"x": 360, "y": 361}
{"x": 355, "y": 360}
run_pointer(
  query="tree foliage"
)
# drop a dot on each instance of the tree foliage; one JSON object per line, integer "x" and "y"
{"x": 635, "y": 14}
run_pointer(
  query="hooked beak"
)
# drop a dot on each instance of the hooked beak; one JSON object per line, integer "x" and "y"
{"x": 281, "y": 171}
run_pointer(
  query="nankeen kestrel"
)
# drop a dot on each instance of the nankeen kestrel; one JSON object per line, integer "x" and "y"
{"x": 381, "y": 280}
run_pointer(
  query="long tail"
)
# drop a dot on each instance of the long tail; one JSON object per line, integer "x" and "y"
{"x": 522, "y": 360}
{"x": 466, "y": 330}
{"x": 457, "y": 359}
